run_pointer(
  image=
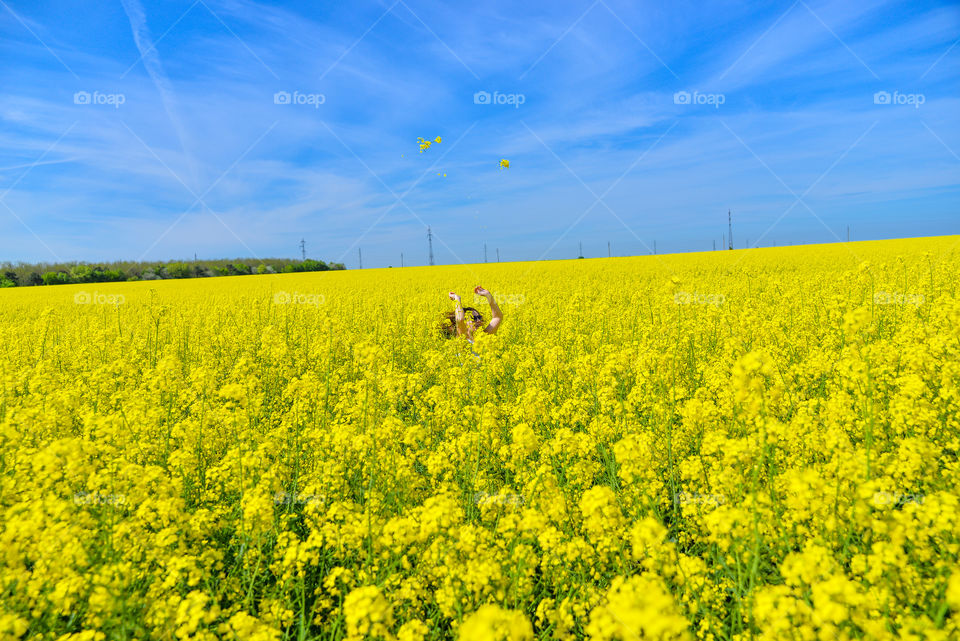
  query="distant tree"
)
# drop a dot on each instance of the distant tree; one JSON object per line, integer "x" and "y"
{"x": 112, "y": 275}
{"x": 12, "y": 277}
{"x": 34, "y": 279}
{"x": 55, "y": 278}
{"x": 179, "y": 270}
{"x": 81, "y": 274}
{"x": 310, "y": 265}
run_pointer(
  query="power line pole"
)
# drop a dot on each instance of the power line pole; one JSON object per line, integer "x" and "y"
{"x": 401, "y": 259}
{"x": 848, "y": 233}
{"x": 430, "y": 243}
{"x": 730, "y": 224}
{"x": 580, "y": 255}
{"x": 303, "y": 248}
{"x": 654, "y": 248}
{"x": 498, "y": 254}
{"x": 360, "y": 257}
{"x": 608, "y": 249}
{"x": 484, "y": 252}
{"x": 714, "y": 244}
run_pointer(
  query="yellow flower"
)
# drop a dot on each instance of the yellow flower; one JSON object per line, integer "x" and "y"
{"x": 368, "y": 613}
{"x": 638, "y": 607}
{"x": 493, "y": 623}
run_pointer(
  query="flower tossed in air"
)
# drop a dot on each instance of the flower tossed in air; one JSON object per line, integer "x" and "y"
{"x": 425, "y": 144}
{"x": 504, "y": 164}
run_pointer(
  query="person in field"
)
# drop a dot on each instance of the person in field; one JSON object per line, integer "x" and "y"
{"x": 465, "y": 321}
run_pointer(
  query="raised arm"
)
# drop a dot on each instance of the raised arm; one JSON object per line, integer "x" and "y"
{"x": 497, "y": 315}
{"x": 461, "y": 324}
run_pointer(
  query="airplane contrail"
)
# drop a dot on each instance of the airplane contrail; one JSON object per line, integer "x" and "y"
{"x": 151, "y": 60}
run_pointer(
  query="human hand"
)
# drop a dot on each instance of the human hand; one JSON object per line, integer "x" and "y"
{"x": 481, "y": 291}
{"x": 454, "y": 297}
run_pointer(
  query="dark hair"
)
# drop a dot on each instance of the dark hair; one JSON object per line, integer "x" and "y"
{"x": 448, "y": 323}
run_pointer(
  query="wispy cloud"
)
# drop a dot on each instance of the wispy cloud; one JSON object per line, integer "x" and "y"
{"x": 151, "y": 60}
{"x": 203, "y": 92}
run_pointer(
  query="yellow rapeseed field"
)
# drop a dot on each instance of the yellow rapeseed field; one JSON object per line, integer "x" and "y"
{"x": 757, "y": 444}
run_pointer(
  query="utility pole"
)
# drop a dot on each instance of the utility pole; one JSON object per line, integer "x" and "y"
{"x": 654, "y": 248}
{"x": 484, "y": 252}
{"x": 401, "y": 259}
{"x": 430, "y": 243}
{"x": 730, "y": 224}
{"x": 360, "y": 257}
{"x": 303, "y": 248}
{"x": 608, "y": 249}
{"x": 498, "y": 254}
{"x": 581, "y": 249}
{"x": 848, "y": 233}
{"x": 714, "y": 244}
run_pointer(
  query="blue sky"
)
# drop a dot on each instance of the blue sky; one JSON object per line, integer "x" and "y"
{"x": 141, "y": 129}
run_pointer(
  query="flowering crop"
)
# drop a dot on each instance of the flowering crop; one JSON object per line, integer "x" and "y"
{"x": 755, "y": 444}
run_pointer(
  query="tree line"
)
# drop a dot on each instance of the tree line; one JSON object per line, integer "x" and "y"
{"x": 27, "y": 274}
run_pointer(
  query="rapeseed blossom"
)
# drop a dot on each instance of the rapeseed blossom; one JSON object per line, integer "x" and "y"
{"x": 754, "y": 444}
